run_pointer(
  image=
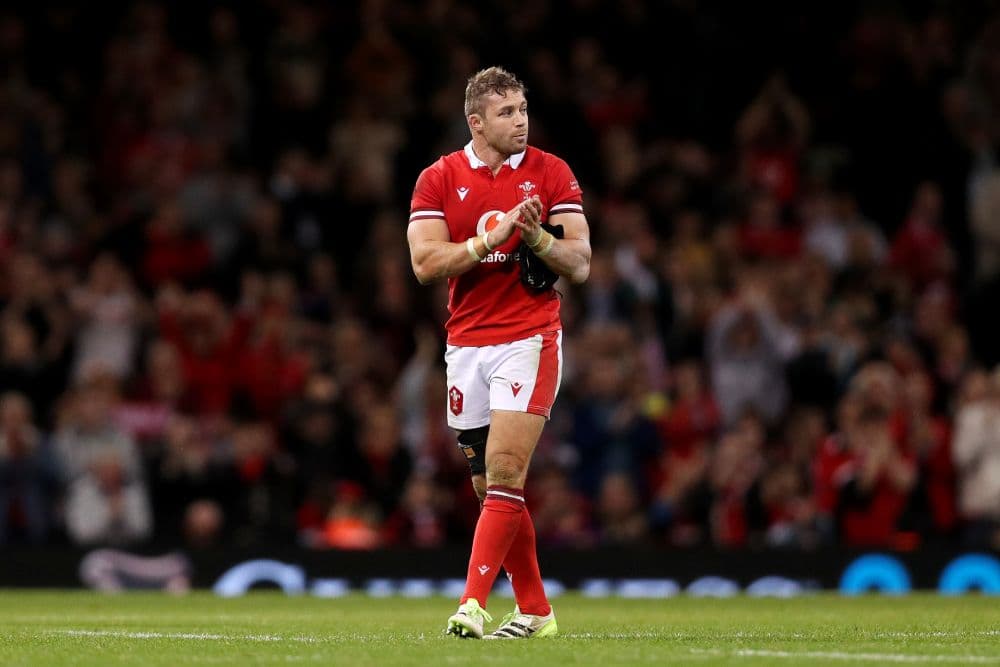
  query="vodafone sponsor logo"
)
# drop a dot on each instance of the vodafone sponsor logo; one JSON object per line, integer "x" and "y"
{"x": 488, "y": 221}
{"x": 497, "y": 257}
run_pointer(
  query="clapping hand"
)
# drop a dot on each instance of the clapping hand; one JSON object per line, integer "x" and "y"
{"x": 530, "y": 221}
{"x": 525, "y": 214}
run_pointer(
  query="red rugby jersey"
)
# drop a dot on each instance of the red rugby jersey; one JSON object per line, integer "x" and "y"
{"x": 488, "y": 304}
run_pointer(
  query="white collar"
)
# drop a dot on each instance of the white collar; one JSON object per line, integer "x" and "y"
{"x": 514, "y": 160}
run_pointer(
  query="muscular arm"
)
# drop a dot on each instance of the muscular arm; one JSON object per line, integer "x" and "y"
{"x": 570, "y": 256}
{"x": 432, "y": 253}
{"x": 434, "y": 256}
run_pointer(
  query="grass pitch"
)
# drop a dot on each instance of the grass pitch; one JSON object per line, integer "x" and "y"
{"x": 78, "y": 628}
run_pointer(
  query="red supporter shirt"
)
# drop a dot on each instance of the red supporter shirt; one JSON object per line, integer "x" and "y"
{"x": 770, "y": 243}
{"x": 917, "y": 251}
{"x": 488, "y": 304}
{"x": 776, "y": 170}
{"x": 872, "y": 525}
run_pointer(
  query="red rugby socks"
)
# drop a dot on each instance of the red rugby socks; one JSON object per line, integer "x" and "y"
{"x": 522, "y": 566}
{"x": 495, "y": 532}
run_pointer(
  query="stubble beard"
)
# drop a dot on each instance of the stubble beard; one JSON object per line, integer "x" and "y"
{"x": 510, "y": 146}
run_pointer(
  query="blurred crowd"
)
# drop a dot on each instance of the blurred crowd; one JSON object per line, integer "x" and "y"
{"x": 210, "y": 334}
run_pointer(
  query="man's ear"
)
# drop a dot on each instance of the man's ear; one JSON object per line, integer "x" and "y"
{"x": 475, "y": 122}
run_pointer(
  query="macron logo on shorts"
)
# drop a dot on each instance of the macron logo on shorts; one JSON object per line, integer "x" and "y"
{"x": 483, "y": 569}
{"x": 515, "y": 387}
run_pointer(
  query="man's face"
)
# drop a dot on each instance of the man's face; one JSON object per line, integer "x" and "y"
{"x": 504, "y": 121}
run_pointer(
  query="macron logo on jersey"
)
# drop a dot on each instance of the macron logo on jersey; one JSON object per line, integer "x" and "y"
{"x": 462, "y": 192}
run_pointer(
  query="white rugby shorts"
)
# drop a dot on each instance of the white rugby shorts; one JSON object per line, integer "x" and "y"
{"x": 521, "y": 376}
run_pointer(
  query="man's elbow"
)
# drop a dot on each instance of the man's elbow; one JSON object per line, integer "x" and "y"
{"x": 580, "y": 274}
{"x": 423, "y": 273}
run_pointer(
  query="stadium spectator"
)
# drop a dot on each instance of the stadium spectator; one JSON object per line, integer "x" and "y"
{"x": 773, "y": 131}
{"x": 209, "y": 340}
{"x": 318, "y": 432}
{"x": 920, "y": 248}
{"x": 746, "y": 362}
{"x": 984, "y": 216}
{"x": 189, "y": 468}
{"x": 693, "y": 418}
{"x": 265, "y": 486}
{"x": 383, "y": 463}
{"x": 21, "y": 370}
{"x": 932, "y": 512}
{"x": 28, "y": 474}
{"x": 977, "y": 462}
{"x": 866, "y": 479}
{"x": 619, "y": 513}
{"x": 106, "y": 312}
{"x": 36, "y": 333}
{"x": 763, "y": 234}
{"x": 107, "y": 502}
{"x": 680, "y": 497}
{"x": 173, "y": 253}
{"x": 421, "y": 519}
{"x": 423, "y": 425}
{"x": 562, "y": 514}
{"x": 262, "y": 245}
{"x": 780, "y": 511}
{"x": 736, "y": 466}
{"x": 610, "y": 429}
{"x": 272, "y": 367}
{"x": 154, "y": 397}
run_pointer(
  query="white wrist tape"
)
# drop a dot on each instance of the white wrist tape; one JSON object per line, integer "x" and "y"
{"x": 470, "y": 245}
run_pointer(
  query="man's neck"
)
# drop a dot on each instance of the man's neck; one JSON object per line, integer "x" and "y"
{"x": 493, "y": 158}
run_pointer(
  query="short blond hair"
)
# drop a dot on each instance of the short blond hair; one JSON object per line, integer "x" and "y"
{"x": 490, "y": 80}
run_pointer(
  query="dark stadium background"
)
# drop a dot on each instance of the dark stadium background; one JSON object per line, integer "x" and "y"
{"x": 210, "y": 333}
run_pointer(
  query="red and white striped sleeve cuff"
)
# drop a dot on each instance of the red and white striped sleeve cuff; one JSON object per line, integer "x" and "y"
{"x": 426, "y": 214}
{"x": 566, "y": 207}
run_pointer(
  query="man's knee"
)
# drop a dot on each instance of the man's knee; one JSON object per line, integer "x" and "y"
{"x": 506, "y": 469}
{"x": 513, "y": 436}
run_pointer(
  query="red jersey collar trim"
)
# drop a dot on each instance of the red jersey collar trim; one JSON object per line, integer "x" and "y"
{"x": 514, "y": 161}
